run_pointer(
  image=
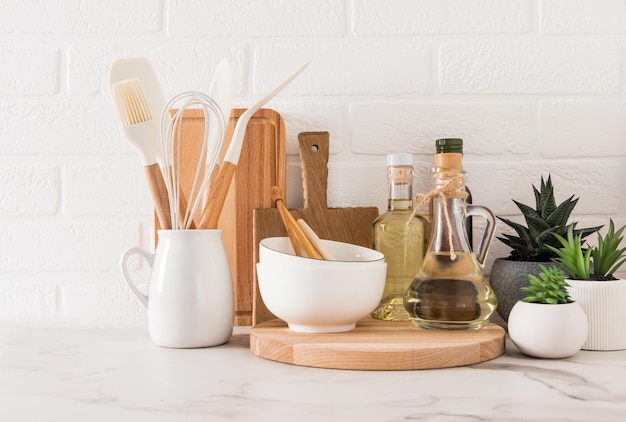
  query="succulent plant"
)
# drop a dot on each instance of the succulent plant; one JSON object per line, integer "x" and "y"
{"x": 548, "y": 287}
{"x": 594, "y": 263}
{"x": 542, "y": 222}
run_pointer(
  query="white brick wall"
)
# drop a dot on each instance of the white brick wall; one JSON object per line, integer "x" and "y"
{"x": 533, "y": 86}
{"x": 531, "y": 67}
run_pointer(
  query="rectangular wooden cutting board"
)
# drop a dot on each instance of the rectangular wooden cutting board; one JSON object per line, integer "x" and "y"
{"x": 262, "y": 164}
{"x": 350, "y": 225}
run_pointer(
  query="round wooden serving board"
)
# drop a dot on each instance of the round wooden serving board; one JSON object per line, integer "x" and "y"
{"x": 377, "y": 345}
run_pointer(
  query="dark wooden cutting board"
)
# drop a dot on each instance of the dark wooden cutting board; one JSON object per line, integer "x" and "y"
{"x": 350, "y": 225}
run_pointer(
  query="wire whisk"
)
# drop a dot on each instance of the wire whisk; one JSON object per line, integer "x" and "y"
{"x": 171, "y": 128}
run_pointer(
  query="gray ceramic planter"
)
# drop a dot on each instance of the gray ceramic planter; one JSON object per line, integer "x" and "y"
{"x": 507, "y": 277}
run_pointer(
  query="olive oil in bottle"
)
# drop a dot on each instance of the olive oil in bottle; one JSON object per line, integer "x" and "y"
{"x": 449, "y": 291}
{"x": 401, "y": 237}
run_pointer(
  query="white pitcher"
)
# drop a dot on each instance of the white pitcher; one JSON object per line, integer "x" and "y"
{"x": 190, "y": 300}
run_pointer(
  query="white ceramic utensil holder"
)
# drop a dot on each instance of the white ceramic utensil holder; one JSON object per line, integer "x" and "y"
{"x": 190, "y": 298}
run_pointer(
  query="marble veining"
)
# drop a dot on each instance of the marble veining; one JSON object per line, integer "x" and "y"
{"x": 100, "y": 375}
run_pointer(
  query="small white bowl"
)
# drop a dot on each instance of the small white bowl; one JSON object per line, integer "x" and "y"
{"x": 278, "y": 251}
{"x": 321, "y": 299}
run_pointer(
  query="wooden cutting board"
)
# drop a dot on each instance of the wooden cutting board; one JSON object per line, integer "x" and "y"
{"x": 262, "y": 164}
{"x": 377, "y": 345}
{"x": 350, "y": 225}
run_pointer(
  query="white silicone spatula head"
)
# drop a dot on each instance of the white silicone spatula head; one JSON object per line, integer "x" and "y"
{"x": 234, "y": 149}
{"x": 136, "y": 119}
{"x": 141, "y": 67}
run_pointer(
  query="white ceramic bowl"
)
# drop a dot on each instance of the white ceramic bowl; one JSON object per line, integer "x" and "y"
{"x": 320, "y": 296}
{"x": 277, "y": 251}
{"x": 321, "y": 299}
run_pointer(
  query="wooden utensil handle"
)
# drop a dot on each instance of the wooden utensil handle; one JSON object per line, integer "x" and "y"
{"x": 300, "y": 236}
{"x": 159, "y": 195}
{"x": 218, "y": 195}
{"x": 208, "y": 190}
{"x": 315, "y": 240}
{"x": 293, "y": 238}
{"x": 293, "y": 229}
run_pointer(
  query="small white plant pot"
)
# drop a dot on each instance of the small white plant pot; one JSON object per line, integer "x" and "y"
{"x": 548, "y": 331}
{"x": 604, "y": 303}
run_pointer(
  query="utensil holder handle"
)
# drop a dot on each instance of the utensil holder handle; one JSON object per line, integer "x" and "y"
{"x": 124, "y": 267}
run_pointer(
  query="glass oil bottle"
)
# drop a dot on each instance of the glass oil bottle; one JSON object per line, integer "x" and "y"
{"x": 450, "y": 292}
{"x": 401, "y": 237}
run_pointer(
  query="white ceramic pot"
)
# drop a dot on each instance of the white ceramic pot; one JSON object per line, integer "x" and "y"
{"x": 548, "y": 331}
{"x": 604, "y": 303}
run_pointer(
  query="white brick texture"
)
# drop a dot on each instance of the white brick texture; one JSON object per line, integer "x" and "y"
{"x": 53, "y": 247}
{"x": 582, "y": 16}
{"x": 75, "y": 16}
{"x": 550, "y": 67}
{"x": 345, "y": 68}
{"x": 59, "y": 127}
{"x": 410, "y": 17}
{"x": 106, "y": 190}
{"x": 488, "y": 128}
{"x": 582, "y": 129}
{"x": 534, "y": 87}
{"x": 257, "y": 18}
{"x": 101, "y": 305}
{"x": 29, "y": 303}
{"x": 29, "y": 70}
{"x": 29, "y": 190}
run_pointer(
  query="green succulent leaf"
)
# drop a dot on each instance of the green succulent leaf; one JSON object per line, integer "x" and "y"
{"x": 560, "y": 214}
{"x": 572, "y": 258}
{"x": 587, "y": 231}
{"x": 607, "y": 256}
{"x": 545, "y": 236}
{"x": 549, "y": 286}
{"x": 547, "y": 203}
{"x": 536, "y": 241}
{"x": 537, "y": 227}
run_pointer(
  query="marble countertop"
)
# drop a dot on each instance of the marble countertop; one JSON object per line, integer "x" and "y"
{"x": 99, "y": 375}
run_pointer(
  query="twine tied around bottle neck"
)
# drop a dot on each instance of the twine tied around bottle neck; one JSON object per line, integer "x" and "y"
{"x": 451, "y": 189}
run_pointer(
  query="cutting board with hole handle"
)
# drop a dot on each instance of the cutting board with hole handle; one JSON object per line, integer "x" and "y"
{"x": 350, "y": 225}
{"x": 262, "y": 164}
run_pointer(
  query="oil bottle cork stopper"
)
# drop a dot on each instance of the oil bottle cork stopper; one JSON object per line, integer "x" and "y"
{"x": 449, "y": 153}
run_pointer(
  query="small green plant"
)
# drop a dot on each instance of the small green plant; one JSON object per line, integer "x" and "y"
{"x": 594, "y": 263}
{"x": 533, "y": 241}
{"x": 548, "y": 287}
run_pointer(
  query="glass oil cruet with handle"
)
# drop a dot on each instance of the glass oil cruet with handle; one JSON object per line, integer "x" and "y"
{"x": 450, "y": 292}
